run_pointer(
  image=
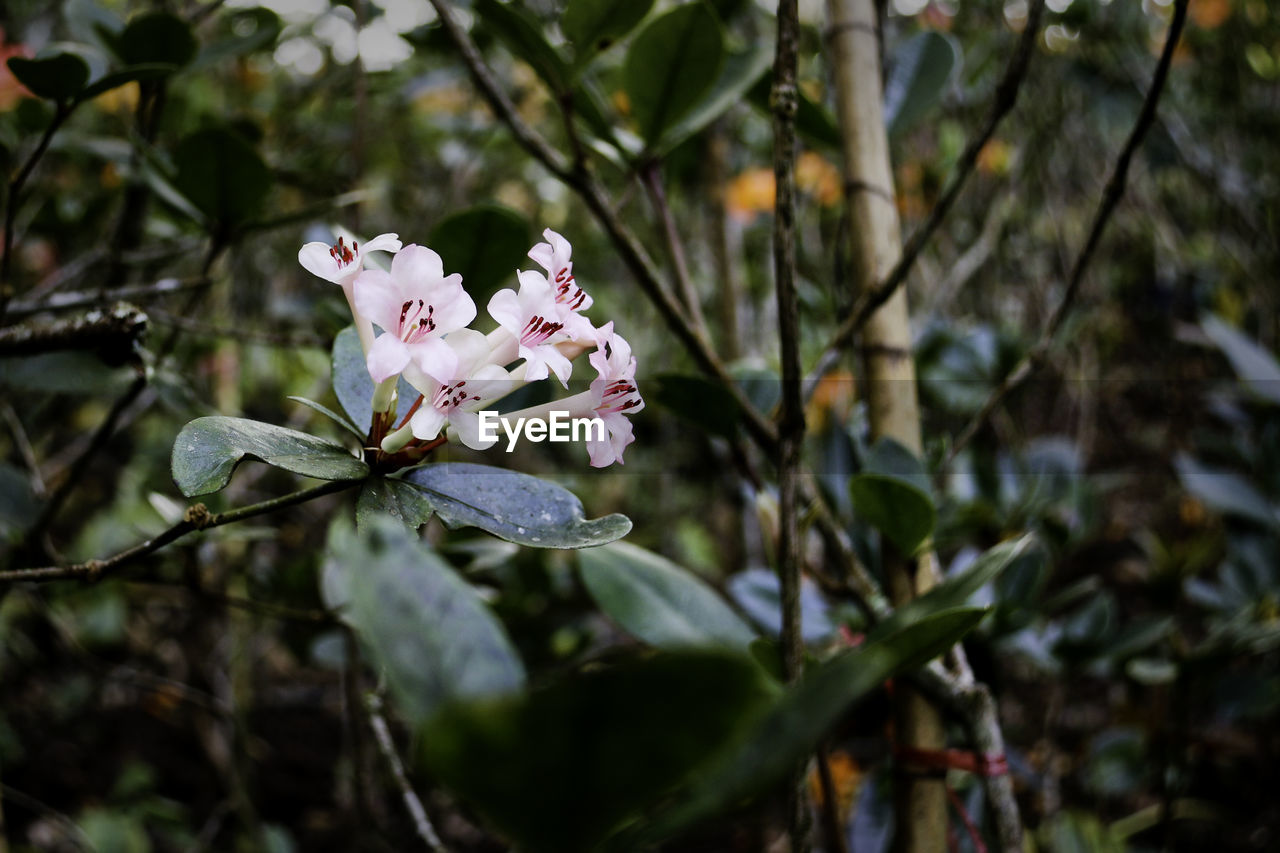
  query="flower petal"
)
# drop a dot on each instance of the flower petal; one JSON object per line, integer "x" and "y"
{"x": 467, "y": 425}
{"x": 379, "y": 299}
{"x": 417, "y": 265}
{"x": 315, "y": 259}
{"x": 387, "y": 357}
{"x": 504, "y": 306}
{"x": 426, "y": 422}
{"x": 436, "y": 358}
{"x": 381, "y": 243}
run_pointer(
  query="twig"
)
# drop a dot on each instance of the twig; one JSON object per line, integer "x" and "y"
{"x": 869, "y": 300}
{"x": 1111, "y": 196}
{"x": 387, "y": 746}
{"x": 14, "y": 197}
{"x": 242, "y": 335}
{"x": 115, "y": 329}
{"x": 85, "y": 299}
{"x": 715, "y": 156}
{"x": 75, "y": 471}
{"x": 593, "y": 194}
{"x": 25, "y": 450}
{"x": 651, "y": 175}
{"x": 27, "y": 801}
{"x": 973, "y": 703}
{"x": 263, "y": 608}
{"x": 783, "y": 101}
{"x": 197, "y": 517}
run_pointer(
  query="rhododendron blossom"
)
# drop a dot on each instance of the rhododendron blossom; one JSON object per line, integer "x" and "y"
{"x": 416, "y": 305}
{"x": 612, "y": 396}
{"x": 341, "y": 264}
{"x": 531, "y": 321}
{"x": 554, "y": 257}
{"x": 423, "y": 319}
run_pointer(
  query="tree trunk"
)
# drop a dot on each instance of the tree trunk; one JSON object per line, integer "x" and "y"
{"x": 920, "y": 803}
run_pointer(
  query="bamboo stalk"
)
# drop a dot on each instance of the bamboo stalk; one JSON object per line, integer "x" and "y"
{"x": 920, "y": 803}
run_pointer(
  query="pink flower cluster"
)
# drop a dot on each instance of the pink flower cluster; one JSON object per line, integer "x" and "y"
{"x": 413, "y": 322}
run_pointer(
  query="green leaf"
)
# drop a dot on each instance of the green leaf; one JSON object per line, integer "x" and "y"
{"x": 1257, "y": 368}
{"x": 59, "y": 77}
{"x": 525, "y": 37}
{"x": 699, "y": 401}
{"x": 921, "y": 68}
{"x": 253, "y": 29}
{"x": 207, "y": 451}
{"x": 116, "y": 79}
{"x": 741, "y": 71}
{"x": 955, "y": 590}
{"x": 422, "y": 623}
{"x": 513, "y": 506}
{"x": 222, "y": 175}
{"x": 669, "y": 67}
{"x": 658, "y": 602}
{"x": 560, "y": 768}
{"x": 156, "y": 37}
{"x": 893, "y": 495}
{"x": 805, "y": 714}
{"x": 485, "y": 244}
{"x": 386, "y": 496}
{"x": 1223, "y": 490}
{"x": 331, "y": 415}
{"x": 896, "y": 508}
{"x": 593, "y": 26}
{"x": 354, "y": 386}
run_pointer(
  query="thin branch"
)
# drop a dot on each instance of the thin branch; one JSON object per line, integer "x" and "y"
{"x": 116, "y": 328}
{"x": 624, "y": 241}
{"x": 74, "y": 833}
{"x": 246, "y": 336}
{"x": 197, "y": 517}
{"x": 783, "y": 101}
{"x": 25, "y": 450}
{"x": 1006, "y": 96}
{"x": 75, "y": 471}
{"x": 1111, "y": 196}
{"x": 14, "y": 197}
{"x": 268, "y": 609}
{"x": 651, "y": 175}
{"x": 973, "y": 703}
{"x": 86, "y": 299}
{"x": 387, "y": 746}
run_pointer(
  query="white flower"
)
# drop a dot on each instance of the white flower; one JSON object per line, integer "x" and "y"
{"x": 530, "y": 321}
{"x": 614, "y": 395}
{"x": 475, "y": 382}
{"x": 340, "y": 263}
{"x": 416, "y": 305}
{"x": 554, "y": 257}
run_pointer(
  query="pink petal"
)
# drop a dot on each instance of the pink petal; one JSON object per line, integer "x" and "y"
{"x": 454, "y": 306}
{"x": 435, "y": 358}
{"x": 417, "y": 265}
{"x": 378, "y": 298}
{"x": 504, "y": 306}
{"x": 387, "y": 357}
